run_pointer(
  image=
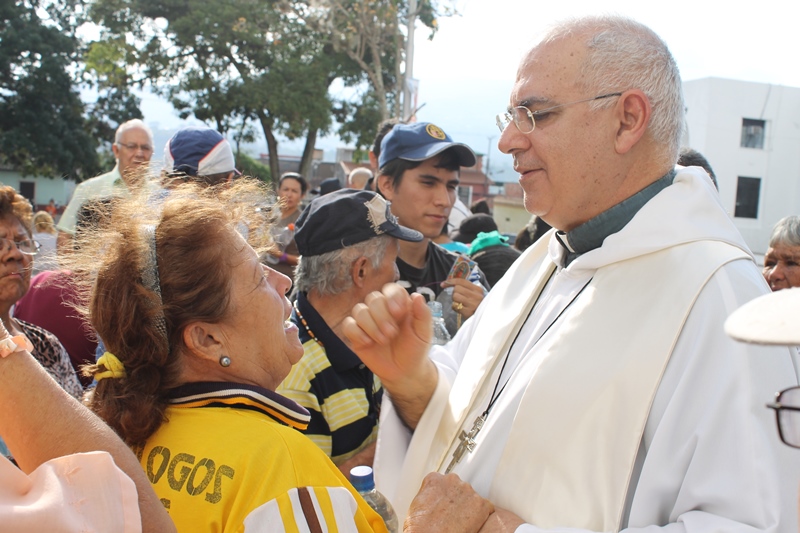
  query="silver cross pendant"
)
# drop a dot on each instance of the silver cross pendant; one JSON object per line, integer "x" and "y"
{"x": 467, "y": 442}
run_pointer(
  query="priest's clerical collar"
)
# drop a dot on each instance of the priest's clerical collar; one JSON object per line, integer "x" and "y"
{"x": 592, "y": 233}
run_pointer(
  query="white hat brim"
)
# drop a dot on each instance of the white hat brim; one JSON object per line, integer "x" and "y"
{"x": 772, "y": 319}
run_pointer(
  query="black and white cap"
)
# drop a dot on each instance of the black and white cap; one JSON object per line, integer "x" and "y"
{"x": 346, "y": 217}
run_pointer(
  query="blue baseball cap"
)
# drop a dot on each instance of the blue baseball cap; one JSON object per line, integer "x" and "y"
{"x": 199, "y": 151}
{"x": 421, "y": 141}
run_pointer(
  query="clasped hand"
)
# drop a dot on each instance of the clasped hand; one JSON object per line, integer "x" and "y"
{"x": 447, "y": 504}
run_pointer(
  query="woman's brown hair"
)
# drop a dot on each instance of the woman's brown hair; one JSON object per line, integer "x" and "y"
{"x": 14, "y": 204}
{"x": 196, "y": 249}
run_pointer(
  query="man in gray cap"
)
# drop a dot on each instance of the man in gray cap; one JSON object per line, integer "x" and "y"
{"x": 340, "y": 264}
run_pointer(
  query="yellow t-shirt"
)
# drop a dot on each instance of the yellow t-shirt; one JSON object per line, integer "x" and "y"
{"x": 225, "y": 461}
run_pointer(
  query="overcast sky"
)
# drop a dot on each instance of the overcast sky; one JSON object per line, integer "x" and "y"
{"x": 465, "y": 73}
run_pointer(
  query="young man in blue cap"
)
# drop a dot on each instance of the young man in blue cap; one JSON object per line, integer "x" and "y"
{"x": 419, "y": 165}
{"x": 341, "y": 263}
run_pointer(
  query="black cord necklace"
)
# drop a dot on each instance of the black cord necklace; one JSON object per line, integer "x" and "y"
{"x": 468, "y": 443}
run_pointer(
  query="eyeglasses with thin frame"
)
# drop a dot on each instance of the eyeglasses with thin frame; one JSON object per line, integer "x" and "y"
{"x": 25, "y": 246}
{"x": 524, "y": 119}
{"x": 133, "y": 147}
{"x": 787, "y": 415}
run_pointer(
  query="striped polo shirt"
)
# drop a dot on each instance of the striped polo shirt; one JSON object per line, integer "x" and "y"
{"x": 342, "y": 395}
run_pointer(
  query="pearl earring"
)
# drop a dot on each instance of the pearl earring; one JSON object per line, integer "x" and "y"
{"x": 225, "y": 361}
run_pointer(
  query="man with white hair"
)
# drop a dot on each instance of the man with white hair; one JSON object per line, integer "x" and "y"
{"x": 594, "y": 389}
{"x": 133, "y": 148}
{"x": 358, "y": 178}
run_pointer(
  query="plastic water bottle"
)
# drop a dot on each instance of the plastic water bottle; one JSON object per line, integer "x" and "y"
{"x": 440, "y": 333}
{"x": 362, "y": 480}
{"x": 282, "y": 240}
{"x": 475, "y": 277}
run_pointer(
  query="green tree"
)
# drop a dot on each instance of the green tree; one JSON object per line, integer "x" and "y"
{"x": 372, "y": 34}
{"x": 250, "y": 167}
{"x": 115, "y": 103}
{"x": 266, "y": 61}
{"x": 42, "y": 127}
{"x": 225, "y": 63}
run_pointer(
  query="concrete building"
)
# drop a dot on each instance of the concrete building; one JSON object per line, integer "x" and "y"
{"x": 509, "y": 207}
{"x": 750, "y": 134}
{"x": 39, "y": 190}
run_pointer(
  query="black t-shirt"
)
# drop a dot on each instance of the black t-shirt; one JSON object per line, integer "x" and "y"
{"x": 427, "y": 280}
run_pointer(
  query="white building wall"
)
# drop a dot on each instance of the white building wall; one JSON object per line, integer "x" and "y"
{"x": 715, "y": 108}
{"x": 45, "y": 188}
{"x": 510, "y": 214}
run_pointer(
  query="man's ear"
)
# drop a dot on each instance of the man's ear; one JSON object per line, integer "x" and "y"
{"x": 385, "y": 186}
{"x": 358, "y": 271}
{"x": 115, "y": 149}
{"x": 633, "y": 112}
{"x": 204, "y": 340}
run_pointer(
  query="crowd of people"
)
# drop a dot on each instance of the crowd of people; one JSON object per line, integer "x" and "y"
{"x": 199, "y": 352}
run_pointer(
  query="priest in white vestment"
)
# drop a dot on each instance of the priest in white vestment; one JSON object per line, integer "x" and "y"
{"x": 595, "y": 388}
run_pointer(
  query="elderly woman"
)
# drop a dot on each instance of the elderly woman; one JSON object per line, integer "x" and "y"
{"x": 17, "y": 251}
{"x": 198, "y": 338}
{"x": 782, "y": 260}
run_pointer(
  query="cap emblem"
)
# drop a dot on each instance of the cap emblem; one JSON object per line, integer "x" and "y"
{"x": 377, "y": 213}
{"x": 435, "y": 132}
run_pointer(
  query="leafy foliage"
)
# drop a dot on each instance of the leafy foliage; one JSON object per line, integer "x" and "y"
{"x": 45, "y": 127}
{"x": 270, "y": 62}
{"x": 371, "y": 33}
{"x": 42, "y": 128}
{"x": 253, "y": 168}
{"x": 224, "y": 62}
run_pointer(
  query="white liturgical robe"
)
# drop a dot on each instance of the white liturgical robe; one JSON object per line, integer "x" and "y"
{"x": 622, "y": 405}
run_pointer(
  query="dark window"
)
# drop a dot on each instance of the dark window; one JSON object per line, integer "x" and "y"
{"x": 28, "y": 190}
{"x": 747, "y": 192}
{"x": 753, "y": 133}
